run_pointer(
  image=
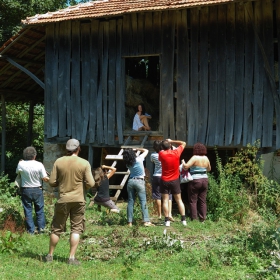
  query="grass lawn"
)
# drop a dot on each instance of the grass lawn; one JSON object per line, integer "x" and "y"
{"x": 111, "y": 250}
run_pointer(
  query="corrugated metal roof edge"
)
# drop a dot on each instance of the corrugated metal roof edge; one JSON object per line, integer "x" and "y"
{"x": 31, "y": 21}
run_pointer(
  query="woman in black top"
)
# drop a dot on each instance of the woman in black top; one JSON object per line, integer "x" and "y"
{"x": 101, "y": 176}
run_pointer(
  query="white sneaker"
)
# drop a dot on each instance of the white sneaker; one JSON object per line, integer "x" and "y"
{"x": 184, "y": 223}
{"x": 167, "y": 223}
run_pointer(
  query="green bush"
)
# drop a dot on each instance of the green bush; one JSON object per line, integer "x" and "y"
{"x": 11, "y": 210}
{"x": 226, "y": 198}
{"x": 12, "y": 242}
{"x": 240, "y": 185}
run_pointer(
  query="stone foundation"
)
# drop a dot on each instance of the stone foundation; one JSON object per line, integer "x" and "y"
{"x": 51, "y": 153}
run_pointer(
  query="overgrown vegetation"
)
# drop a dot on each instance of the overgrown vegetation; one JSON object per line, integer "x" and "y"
{"x": 16, "y": 134}
{"x": 239, "y": 240}
{"x": 241, "y": 186}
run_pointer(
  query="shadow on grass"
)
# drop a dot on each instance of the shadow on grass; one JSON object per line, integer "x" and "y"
{"x": 41, "y": 258}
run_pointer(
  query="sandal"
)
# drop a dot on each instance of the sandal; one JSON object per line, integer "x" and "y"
{"x": 171, "y": 219}
{"x": 148, "y": 224}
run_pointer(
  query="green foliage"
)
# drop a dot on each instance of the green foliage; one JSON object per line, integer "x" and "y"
{"x": 247, "y": 165}
{"x": 16, "y": 134}
{"x": 226, "y": 199}
{"x": 240, "y": 185}
{"x": 12, "y": 242}
{"x": 7, "y": 189}
{"x": 11, "y": 208}
{"x": 13, "y": 11}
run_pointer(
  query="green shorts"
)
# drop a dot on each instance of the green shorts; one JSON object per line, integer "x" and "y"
{"x": 76, "y": 211}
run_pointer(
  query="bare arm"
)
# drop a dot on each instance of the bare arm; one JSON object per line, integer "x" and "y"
{"x": 144, "y": 151}
{"x": 112, "y": 170}
{"x": 190, "y": 163}
{"x": 177, "y": 142}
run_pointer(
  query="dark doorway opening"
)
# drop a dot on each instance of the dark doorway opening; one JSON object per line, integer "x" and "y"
{"x": 142, "y": 87}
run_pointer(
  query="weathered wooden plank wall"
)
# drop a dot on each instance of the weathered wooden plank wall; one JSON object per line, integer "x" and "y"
{"x": 277, "y": 104}
{"x": 120, "y": 86}
{"x": 182, "y": 79}
{"x": 239, "y": 76}
{"x": 248, "y": 74}
{"x": 99, "y": 109}
{"x": 268, "y": 45}
{"x": 75, "y": 82}
{"x": 63, "y": 76}
{"x": 193, "y": 115}
{"x": 93, "y": 55}
{"x": 203, "y": 75}
{"x": 230, "y": 73}
{"x": 51, "y": 81}
{"x": 167, "y": 67}
{"x": 213, "y": 121}
{"x": 258, "y": 79}
{"x": 221, "y": 72}
{"x": 85, "y": 78}
{"x": 213, "y": 57}
{"x": 104, "y": 73}
{"x": 112, "y": 82}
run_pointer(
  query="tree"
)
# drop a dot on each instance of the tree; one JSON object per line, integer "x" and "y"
{"x": 13, "y": 11}
{"x": 16, "y": 133}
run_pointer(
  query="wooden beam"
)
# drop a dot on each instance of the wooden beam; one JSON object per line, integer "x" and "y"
{"x": 15, "y": 40}
{"x": 31, "y": 75}
{"x": 21, "y": 60}
{"x": 114, "y": 157}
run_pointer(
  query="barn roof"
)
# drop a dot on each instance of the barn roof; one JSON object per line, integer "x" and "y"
{"x": 27, "y": 48}
{"x": 109, "y": 8}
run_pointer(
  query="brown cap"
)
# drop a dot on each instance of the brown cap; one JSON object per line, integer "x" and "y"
{"x": 72, "y": 144}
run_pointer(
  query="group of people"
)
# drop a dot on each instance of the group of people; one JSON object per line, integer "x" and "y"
{"x": 166, "y": 182}
{"x": 73, "y": 175}
{"x": 166, "y": 177}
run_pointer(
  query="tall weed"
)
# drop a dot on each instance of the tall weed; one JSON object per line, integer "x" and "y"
{"x": 240, "y": 185}
{"x": 226, "y": 198}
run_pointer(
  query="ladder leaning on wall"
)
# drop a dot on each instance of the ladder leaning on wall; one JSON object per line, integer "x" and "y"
{"x": 119, "y": 157}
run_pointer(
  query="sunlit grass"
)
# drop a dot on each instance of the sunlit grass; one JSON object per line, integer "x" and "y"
{"x": 111, "y": 250}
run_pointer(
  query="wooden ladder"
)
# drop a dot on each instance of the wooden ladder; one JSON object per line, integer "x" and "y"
{"x": 118, "y": 157}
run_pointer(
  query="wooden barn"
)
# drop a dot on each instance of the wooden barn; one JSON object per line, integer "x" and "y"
{"x": 208, "y": 70}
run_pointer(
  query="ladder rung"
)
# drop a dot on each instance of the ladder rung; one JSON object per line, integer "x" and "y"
{"x": 132, "y": 147}
{"x": 115, "y": 187}
{"x": 114, "y": 157}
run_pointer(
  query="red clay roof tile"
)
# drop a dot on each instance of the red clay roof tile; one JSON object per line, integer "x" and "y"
{"x": 109, "y": 8}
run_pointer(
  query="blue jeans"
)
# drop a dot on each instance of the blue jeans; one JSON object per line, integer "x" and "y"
{"x": 136, "y": 186}
{"x": 29, "y": 197}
